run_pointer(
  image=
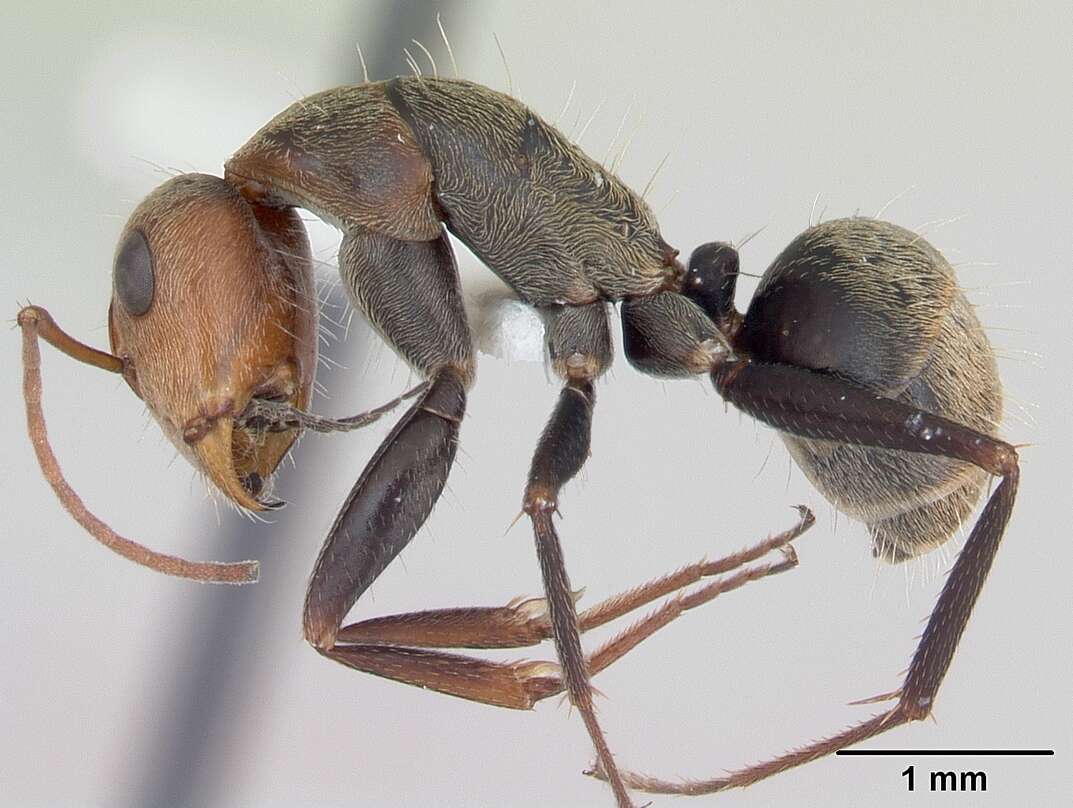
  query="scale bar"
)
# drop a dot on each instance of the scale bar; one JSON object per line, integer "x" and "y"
{"x": 905, "y": 752}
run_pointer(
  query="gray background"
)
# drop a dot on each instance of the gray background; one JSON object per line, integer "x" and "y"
{"x": 120, "y": 687}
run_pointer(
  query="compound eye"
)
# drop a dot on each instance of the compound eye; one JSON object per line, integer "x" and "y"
{"x": 133, "y": 275}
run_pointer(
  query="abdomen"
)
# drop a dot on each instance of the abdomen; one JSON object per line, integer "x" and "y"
{"x": 876, "y": 304}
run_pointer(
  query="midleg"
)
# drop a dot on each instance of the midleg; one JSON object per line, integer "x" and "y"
{"x": 579, "y": 344}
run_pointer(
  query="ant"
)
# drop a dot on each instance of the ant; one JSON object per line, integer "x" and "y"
{"x": 858, "y": 347}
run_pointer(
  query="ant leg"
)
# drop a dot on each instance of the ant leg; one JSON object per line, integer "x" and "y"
{"x": 274, "y": 416}
{"x": 625, "y": 641}
{"x": 579, "y": 345}
{"x": 524, "y": 621}
{"x": 626, "y": 602}
{"x": 815, "y": 405}
{"x": 394, "y": 646}
{"x": 389, "y": 502}
{"x": 410, "y": 292}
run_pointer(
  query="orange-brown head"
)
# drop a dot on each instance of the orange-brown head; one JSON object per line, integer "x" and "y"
{"x": 213, "y": 304}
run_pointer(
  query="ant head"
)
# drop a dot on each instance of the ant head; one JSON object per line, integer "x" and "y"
{"x": 213, "y": 305}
